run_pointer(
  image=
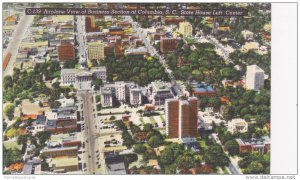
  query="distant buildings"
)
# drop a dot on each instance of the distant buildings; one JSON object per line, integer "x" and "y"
{"x": 168, "y": 45}
{"x": 186, "y": 29}
{"x": 237, "y": 125}
{"x": 64, "y": 164}
{"x": 248, "y": 35}
{"x": 254, "y": 77}
{"x": 62, "y": 120}
{"x": 159, "y": 91}
{"x": 121, "y": 92}
{"x": 182, "y": 118}
{"x": 90, "y": 23}
{"x": 261, "y": 145}
{"x": 136, "y": 51}
{"x": 96, "y": 50}
{"x": 250, "y": 46}
{"x": 10, "y": 21}
{"x": 59, "y": 151}
{"x": 66, "y": 52}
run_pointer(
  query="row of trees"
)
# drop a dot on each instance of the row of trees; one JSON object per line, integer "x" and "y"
{"x": 247, "y": 104}
{"x": 202, "y": 64}
{"x": 30, "y": 84}
{"x": 255, "y": 163}
{"x": 140, "y": 70}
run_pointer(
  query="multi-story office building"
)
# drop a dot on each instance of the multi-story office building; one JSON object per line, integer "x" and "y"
{"x": 90, "y": 23}
{"x": 182, "y": 117}
{"x": 186, "y": 29}
{"x": 159, "y": 91}
{"x": 96, "y": 50}
{"x": 135, "y": 96}
{"x": 254, "y": 77}
{"x": 122, "y": 92}
{"x": 168, "y": 45}
{"x": 99, "y": 73}
{"x": 66, "y": 52}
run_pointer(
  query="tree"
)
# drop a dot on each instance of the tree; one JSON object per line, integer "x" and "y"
{"x": 4, "y": 126}
{"x": 97, "y": 83}
{"x": 186, "y": 161}
{"x": 129, "y": 158}
{"x": 22, "y": 139}
{"x": 56, "y": 104}
{"x": 215, "y": 156}
{"x": 148, "y": 127}
{"x": 7, "y": 82}
{"x": 167, "y": 156}
{"x": 127, "y": 139}
{"x": 134, "y": 129}
{"x": 11, "y": 156}
{"x": 232, "y": 147}
{"x": 255, "y": 167}
{"x": 120, "y": 124}
{"x": 9, "y": 111}
{"x": 155, "y": 141}
{"x": 228, "y": 113}
{"x": 139, "y": 148}
{"x": 43, "y": 136}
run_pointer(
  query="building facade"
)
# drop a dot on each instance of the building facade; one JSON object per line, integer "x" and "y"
{"x": 254, "y": 77}
{"x": 121, "y": 92}
{"x": 237, "y": 125}
{"x": 186, "y": 29}
{"x": 66, "y": 52}
{"x": 159, "y": 91}
{"x": 168, "y": 45}
{"x": 96, "y": 50}
{"x": 82, "y": 78}
{"x": 182, "y": 118}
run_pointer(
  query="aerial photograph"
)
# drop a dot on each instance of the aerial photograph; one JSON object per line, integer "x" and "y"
{"x": 145, "y": 93}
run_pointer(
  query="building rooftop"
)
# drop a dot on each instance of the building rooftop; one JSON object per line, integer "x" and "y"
{"x": 64, "y": 161}
{"x": 254, "y": 68}
{"x": 67, "y": 71}
{"x": 58, "y": 149}
{"x": 160, "y": 86}
{"x": 203, "y": 88}
{"x": 254, "y": 141}
{"x": 101, "y": 68}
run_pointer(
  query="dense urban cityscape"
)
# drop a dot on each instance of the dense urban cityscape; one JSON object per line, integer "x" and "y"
{"x": 100, "y": 94}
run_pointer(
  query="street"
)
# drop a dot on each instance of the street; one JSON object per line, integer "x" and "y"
{"x": 14, "y": 44}
{"x": 89, "y": 130}
{"x": 142, "y": 34}
{"x": 81, "y": 39}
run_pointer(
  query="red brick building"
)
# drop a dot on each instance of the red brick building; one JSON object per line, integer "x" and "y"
{"x": 90, "y": 23}
{"x": 66, "y": 52}
{"x": 261, "y": 145}
{"x": 182, "y": 118}
{"x": 168, "y": 45}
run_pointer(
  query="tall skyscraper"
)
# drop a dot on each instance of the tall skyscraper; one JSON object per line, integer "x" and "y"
{"x": 96, "y": 50}
{"x": 186, "y": 29}
{"x": 254, "y": 77}
{"x": 66, "y": 52}
{"x": 182, "y": 118}
{"x": 90, "y": 23}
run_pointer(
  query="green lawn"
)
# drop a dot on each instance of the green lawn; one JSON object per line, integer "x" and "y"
{"x": 152, "y": 120}
{"x": 162, "y": 118}
{"x": 142, "y": 120}
{"x": 11, "y": 145}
